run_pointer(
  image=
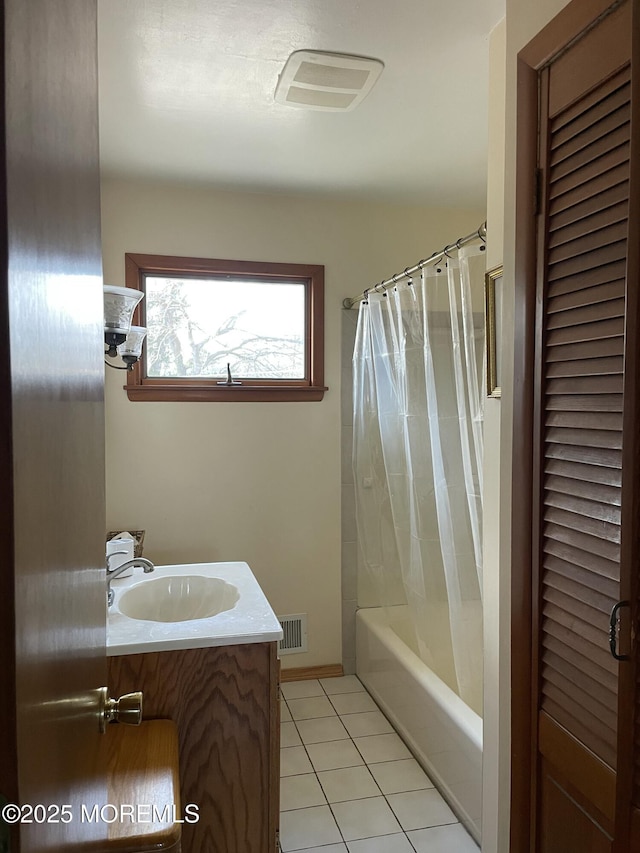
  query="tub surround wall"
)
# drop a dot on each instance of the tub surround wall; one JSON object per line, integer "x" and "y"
{"x": 258, "y": 482}
{"x": 349, "y": 531}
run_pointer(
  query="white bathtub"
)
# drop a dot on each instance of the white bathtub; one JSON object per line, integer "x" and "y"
{"x": 443, "y": 733}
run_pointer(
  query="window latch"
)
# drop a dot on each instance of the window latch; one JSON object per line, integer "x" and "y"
{"x": 229, "y": 380}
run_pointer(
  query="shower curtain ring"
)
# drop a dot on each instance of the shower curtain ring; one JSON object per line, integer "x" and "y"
{"x": 408, "y": 275}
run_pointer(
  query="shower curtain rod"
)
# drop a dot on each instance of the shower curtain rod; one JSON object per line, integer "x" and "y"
{"x": 481, "y": 233}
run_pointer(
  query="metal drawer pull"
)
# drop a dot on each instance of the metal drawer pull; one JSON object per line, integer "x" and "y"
{"x": 614, "y": 624}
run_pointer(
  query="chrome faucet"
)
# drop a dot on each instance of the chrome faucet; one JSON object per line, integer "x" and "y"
{"x": 147, "y": 566}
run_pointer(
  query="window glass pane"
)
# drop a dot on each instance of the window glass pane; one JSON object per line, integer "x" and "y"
{"x": 196, "y": 326}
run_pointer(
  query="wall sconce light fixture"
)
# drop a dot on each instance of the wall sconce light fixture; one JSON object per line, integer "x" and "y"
{"x": 120, "y": 337}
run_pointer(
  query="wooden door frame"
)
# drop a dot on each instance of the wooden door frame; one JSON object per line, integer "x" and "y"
{"x": 8, "y": 747}
{"x": 577, "y": 17}
{"x": 628, "y": 818}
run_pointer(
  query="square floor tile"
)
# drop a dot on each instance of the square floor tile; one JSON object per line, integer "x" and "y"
{"x": 304, "y": 827}
{"x": 395, "y": 777}
{"x": 420, "y": 809}
{"x": 381, "y": 748}
{"x": 369, "y": 723}
{"x": 350, "y": 783}
{"x": 353, "y": 703}
{"x": 294, "y": 761}
{"x": 384, "y": 844}
{"x": 322, "y": 729}
{"x": 443, "y": 839}
{"x": 314, "y": 706}
{"x": 301, "y": 689}
{"x": 289, "y": 735}
{"x": 365, "y": 818}
{"x": 333, "y": 755}
{"x": 300, "y": 792}
{"x": 345, "y": 684}
{"x": 326, "y": 848}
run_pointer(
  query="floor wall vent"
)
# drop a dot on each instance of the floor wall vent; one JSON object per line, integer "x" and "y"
{"x": 294, "y": 628}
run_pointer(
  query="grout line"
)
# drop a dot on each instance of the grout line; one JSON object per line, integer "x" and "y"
{"x": 365, "y": 764}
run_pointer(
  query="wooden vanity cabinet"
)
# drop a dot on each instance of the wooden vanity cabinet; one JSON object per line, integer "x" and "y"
{"x": 224, "y": 701}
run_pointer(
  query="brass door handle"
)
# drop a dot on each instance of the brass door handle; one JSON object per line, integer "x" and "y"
{"x": 127, "y": 709}
{"x": 613, "y": 630}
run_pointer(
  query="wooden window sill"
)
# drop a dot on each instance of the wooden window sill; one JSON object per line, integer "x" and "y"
{"x": 219, "y": 394}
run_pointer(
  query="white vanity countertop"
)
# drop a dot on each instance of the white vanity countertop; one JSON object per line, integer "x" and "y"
{"x": 251, "y": 620}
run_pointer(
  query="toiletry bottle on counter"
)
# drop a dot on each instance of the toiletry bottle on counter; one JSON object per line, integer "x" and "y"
{"x": 125, "y": 543}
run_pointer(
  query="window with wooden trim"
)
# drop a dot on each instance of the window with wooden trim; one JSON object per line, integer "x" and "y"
{"x": 227, "y": 330}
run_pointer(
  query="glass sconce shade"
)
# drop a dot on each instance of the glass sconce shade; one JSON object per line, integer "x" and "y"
{"x": 119, "y": 305}
{"x": 132, "y": 346}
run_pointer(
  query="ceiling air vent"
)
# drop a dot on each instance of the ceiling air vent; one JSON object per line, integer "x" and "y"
{"x": 313, "y": 80}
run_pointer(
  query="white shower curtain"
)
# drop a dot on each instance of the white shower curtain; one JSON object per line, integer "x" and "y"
{"x": 418, "y": 410}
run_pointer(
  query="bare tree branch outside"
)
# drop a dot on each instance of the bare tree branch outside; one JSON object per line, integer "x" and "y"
{"x": 198, "y": 326}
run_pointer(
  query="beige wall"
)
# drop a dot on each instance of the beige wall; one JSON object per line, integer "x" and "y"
{"x": 524, "y": 20}
{"x": 252, "y": 481}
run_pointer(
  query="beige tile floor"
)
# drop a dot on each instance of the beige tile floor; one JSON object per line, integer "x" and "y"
{"x": 349, "y": 784}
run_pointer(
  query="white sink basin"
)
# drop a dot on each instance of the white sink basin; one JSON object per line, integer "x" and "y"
{"x": 191, "y": 606}
{"x": 178, "y": 599}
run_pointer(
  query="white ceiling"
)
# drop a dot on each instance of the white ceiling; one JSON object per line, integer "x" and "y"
{"x": 186, "y": 93}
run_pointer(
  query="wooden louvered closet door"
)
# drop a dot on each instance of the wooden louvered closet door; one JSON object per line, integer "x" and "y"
{"x": 584, "y": 449}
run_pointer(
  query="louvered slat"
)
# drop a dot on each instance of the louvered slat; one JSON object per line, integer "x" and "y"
{"x": 586, "y": 367}
{"x": 610, "y": 122}
{"x": 575, "y": 227}
{"x": 582, "y": 114}
{"x": 590, "y": 296}
{"x": 582, "y": 405}
{"x": 585, "y": 155}
{"x": 605, "y": 684}
{"x": 555, "y": 649}
{"x": 580, "y": 349}
{"x": 580, "y": 591}
{"x": 608, "y": 495}
{"x": 578, "y": 194}
{"x": 585, "y": 437}
{"x": 607, "y": 384}
{"x": 612, "y": 196}
{"x": 588, "y": 455}
{"x": 586, "y": 473}
{"x": 585, "y": 420}
{"x": 567, "y": 634}
{"x": 587, "y": 279}
{"x": 589, "y": 708}
{"x": 592, "y": 509}
{"x": 590, "y": 616}
{"x": 589, "y": 260}
{"x": 581, "y": 314}
{"x": 581, "y": 559}
{"x": 600, "y": 167}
